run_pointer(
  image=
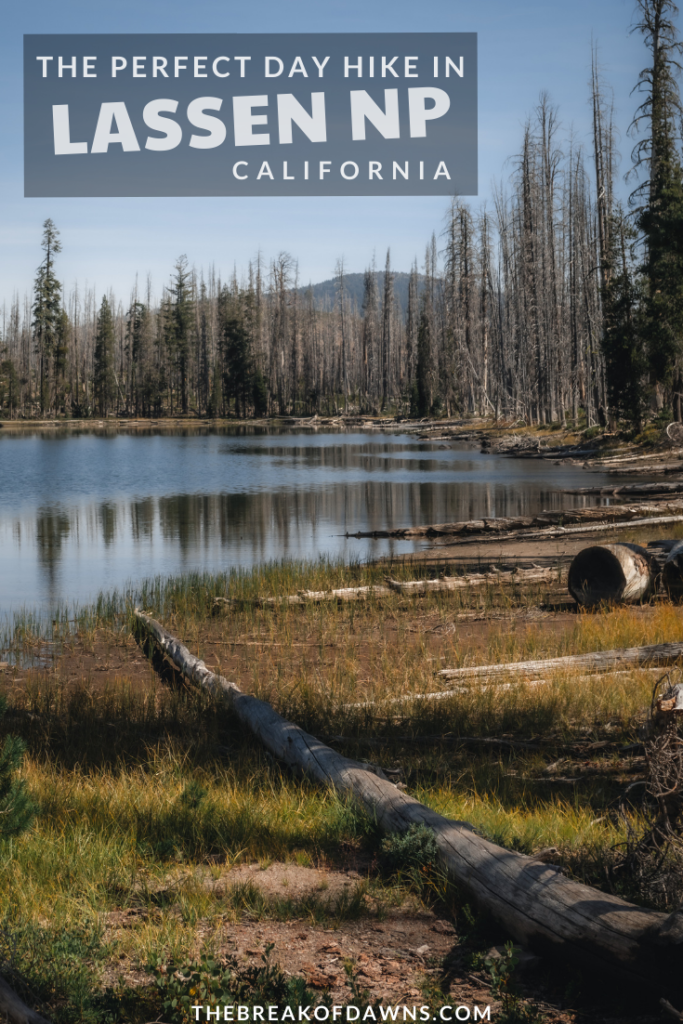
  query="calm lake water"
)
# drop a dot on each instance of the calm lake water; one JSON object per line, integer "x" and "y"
{"x": 96, "y": 511}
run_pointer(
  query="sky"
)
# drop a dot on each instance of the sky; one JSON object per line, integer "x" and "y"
{"x": 524, "y": 48}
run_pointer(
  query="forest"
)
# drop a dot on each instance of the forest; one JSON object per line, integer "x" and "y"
{"x": 557, "y": 303}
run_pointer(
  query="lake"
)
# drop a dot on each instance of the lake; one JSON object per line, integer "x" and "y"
{"x": 97, "y": 510}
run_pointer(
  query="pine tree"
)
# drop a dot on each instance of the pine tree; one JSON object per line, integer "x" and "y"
{"x": 625, "y": 358}
{"x": 182, "y": 322}
{"x": 104, "y": 377}
{"x": 660, "y": 198}
{"x": 17, "y": 810}
{"x": 47, "y": 310}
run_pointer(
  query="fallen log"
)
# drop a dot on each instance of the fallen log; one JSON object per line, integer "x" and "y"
{"x": 535, "y": 902}
{"x": 596, "y": 661}
{"x": 476, "y": 579}
{"x": 626, "y": 489}
{"x": 506, "y": 524}
{"x": 611, "y": 572}
{"x": 307, "y": 597}
{"x": 566, "y": 531}
{"x": 409, "y": 587}
{"x": 14, "y": 1009}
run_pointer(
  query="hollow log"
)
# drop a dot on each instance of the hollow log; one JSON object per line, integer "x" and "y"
{"x": 672, "y": 571}
{"x": 534, "y": 901}
{"x": 611, "y": 572}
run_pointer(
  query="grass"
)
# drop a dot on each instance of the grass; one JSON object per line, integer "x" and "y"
{"x": 149, "y": 793}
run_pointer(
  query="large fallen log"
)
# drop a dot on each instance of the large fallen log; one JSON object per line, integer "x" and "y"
{"x": 611, "y": 572}
{"x": 596, "y": 661}
{"x": 13, "y": 1009}
{"x": 307, "y": 597}
{"x": 511, "y": 524}
{"x": 534, "y": 901}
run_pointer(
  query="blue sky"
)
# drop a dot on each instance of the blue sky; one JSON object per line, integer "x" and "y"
{"x": 523, "y": 48}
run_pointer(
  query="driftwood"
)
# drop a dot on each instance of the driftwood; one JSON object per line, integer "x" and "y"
{"x": 596, "y": 661}
{"x": 409, "y": 588}
{"x": 611, "y": 572}
{"x": 512, "y": 524}
{"x": 562, "y": 531}
{"x": 535, "y": 902}
{"x": 307, "y": 597}
{"x": 477, "y": 579}
{"x": 13, "y": 1009}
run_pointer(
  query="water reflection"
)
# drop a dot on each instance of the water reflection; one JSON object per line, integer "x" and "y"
{"x": 94, "y": 511}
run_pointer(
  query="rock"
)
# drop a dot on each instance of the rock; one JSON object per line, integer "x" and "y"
{"x": 443, "y": 927}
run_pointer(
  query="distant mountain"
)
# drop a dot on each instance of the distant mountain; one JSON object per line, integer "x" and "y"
{"x": 325, "y": 292}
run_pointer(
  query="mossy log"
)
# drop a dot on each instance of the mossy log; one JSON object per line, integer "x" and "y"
{"x": 534, "y": 901}
{"x": 611, "y": 572}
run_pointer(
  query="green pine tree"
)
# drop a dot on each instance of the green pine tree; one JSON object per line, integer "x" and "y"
{"x": 104, "y": 377}
{"x": 47, "y": 311}
{"x": 622, "y": 341}
{"x": 660, "y": 199}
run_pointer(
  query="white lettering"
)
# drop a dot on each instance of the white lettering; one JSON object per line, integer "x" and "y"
{"x": 110, "y": 114}
{"x": 138, "y": 67}
{"x": 62, "y": 134}
{"x": 388, "y": 67}
{"x": 317, "y": 63}
{"x": 241, "y": 177}
{"x": 409, "y": 69}
{"x": 274, "y": 74}
{"x": 403, "y": 173}
{"x": 385, "y": 121}
{"x": 66, "y": 67}
{"x": 244, "y": 120}
{"x": 214, "y": 68}
{"x": 298, "y": 68}
{"x": 264, "y": 172}
{"x": 285, "y": 176}
{"x": 46, "y": 59}
{"x": 442, "y": 173}
{"x": 213, "y": 125}
{"x": 419, "y": 114}
{"x": 374, "y": 169}
{"x": 354, "y": 172}
{"x": 241, "y": 63}
{"x": 459, "y": 69}
{"x": 118, "y": 64}
{"x": 289, "y": 111}
{"x": 170, "y": 129}
{"x": 324, "y": 166}
{"x": 353, "y": 67}
{"x": 158, "y": 66}
{"x": 88, "y": 67}
{"x": 199, "y": 68}
{"x": 178, "y": 67}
